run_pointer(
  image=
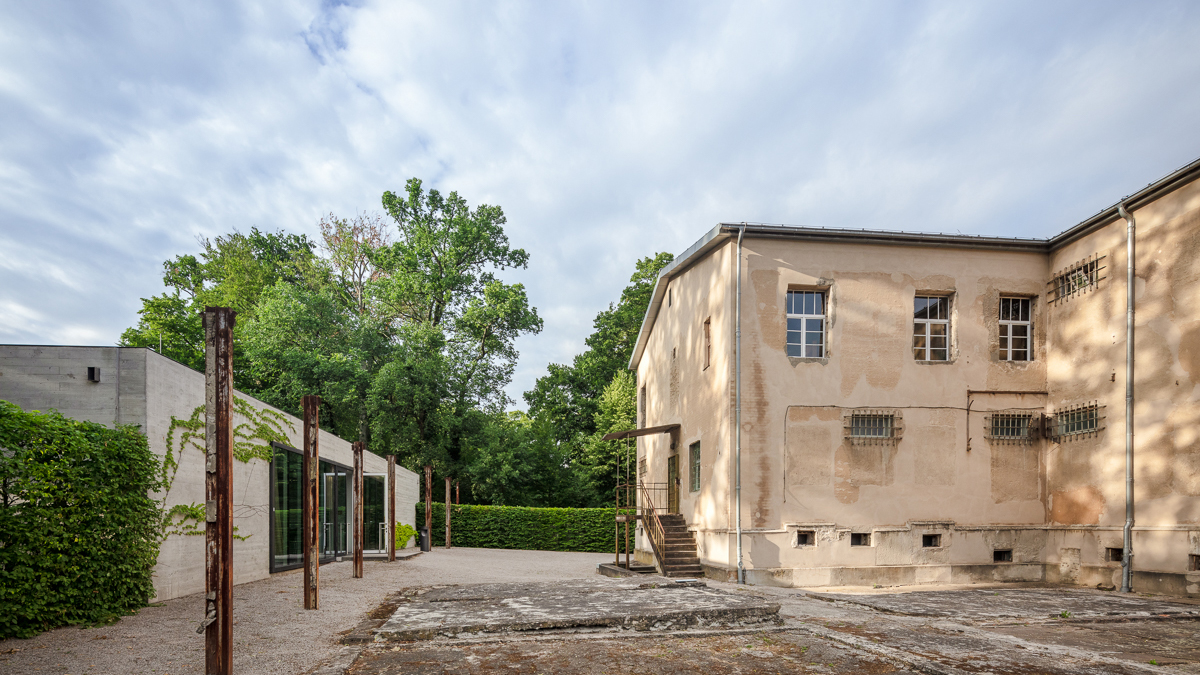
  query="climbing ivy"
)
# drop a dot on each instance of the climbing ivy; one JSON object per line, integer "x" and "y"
{"x": 251, "y": 440}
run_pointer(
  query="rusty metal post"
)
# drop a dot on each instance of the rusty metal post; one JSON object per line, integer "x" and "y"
{"x": 357, "y": 447}
{"x": 218, "y": 487}
{"x": 456, "y": 494}
{"x": 391, "y": 517}
{"x": 429, "y": 503}
{"x": 311, "y": 502}
{"x": 447, "y": 512}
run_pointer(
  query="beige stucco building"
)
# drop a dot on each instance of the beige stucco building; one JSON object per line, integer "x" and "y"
{"x": 932, "y": 408}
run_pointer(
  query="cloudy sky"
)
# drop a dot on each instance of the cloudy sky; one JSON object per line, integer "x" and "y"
{"x": 607, "y": 131}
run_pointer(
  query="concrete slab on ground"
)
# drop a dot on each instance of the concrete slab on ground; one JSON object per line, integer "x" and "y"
{"x": 992, "y": 604}
{"x": 641, "y": 603}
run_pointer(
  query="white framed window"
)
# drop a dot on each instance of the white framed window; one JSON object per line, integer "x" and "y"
{"x": 806, "y": 324}
{"x": 1016, "y": 329}
{"x": 931, "y": 328}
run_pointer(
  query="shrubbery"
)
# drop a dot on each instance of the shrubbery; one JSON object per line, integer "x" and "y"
{"x": 79, "y": 532}
{"x": 522, "y": 527}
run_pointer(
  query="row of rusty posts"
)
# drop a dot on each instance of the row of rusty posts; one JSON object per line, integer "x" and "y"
{"x": 217, "y": 625}
{"x": 429, "y": 502}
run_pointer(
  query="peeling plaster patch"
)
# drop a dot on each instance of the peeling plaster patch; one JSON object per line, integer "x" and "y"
{"x": 934, "y": 455}
{"x": 1015, "y": 472}
{"x": 812, "y": 433}
{"x": 1080, "y": 506}
{"x": 856, "y": 465}
{"x": 772, "y": 334}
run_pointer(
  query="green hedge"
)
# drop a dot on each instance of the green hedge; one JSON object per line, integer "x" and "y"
{"x": 79, "y": 533}
{"x": 523, "y": 527}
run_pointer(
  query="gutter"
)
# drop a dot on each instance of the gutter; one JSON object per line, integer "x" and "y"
{"x": 1127, "y": 553}
{"x": 737, "y": 415}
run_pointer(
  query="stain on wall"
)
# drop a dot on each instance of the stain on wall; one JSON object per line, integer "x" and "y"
{"x": 934, "y": 448}
{"x": 1079, "y": 506}
{"x": 812, "y": 434}
{"x": 856, "y": 465}
{"x": 1016, "y": 472}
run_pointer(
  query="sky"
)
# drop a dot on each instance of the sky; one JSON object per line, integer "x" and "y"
{"x": 607, "y": 131}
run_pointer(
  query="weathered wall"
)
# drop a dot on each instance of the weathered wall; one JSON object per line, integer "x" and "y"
{"x": 1087, "y": 363}
{"x": 153, "y": 389}
{"x": 681, "y": 390}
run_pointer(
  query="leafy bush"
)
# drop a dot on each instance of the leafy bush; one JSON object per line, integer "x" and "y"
{"x": 523, "y": 527}
{"x": 79, "y": 532}
{"x": 404, "y": 534}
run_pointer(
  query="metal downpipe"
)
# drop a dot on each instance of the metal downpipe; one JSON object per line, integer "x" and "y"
{"x": 1127, "y": 554}
{"x": 737, "y": 408}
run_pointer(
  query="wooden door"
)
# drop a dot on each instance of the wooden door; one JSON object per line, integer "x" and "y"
{"x": 673, "y": 484}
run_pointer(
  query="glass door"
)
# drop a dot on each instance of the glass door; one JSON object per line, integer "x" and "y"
{"x": 374, "y": 513}
{"x": 333, "y": 514}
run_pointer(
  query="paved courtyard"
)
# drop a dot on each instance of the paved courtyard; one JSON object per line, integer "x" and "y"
{"x": 486, "y": 611}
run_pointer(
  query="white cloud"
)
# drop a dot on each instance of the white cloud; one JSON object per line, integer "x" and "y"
{"x": 607, "y": 131}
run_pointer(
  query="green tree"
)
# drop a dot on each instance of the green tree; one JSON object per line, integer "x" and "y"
{"x": 568, "y": 397}
{"x": 231, "y": 270}
{"x": 608, "y": 462}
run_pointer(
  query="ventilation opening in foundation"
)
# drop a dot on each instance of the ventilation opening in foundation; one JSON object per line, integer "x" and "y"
{"x": 860, "y": 538}
{"x": 931, "y": 540}
{"x": 806, "y": 538}
{"x": 1002, "y": 555}
{"x": 1194, "y": 563}
{"x": 1114, "y": 555}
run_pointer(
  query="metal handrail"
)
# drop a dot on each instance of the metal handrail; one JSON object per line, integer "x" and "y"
{"x": 654, "y": 529}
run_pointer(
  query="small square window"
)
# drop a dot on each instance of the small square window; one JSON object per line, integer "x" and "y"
{"x": 860, "y": 538}
{"x": 93, "y": 374}
{"x": 931, "y": 541}
{"x": 1002, "y": 555}
{"x": 1193, "y": 563}
{"x": 806, "y": 538}
{"x": 1114, "y": 554}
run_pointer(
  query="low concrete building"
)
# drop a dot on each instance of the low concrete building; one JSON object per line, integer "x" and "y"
{"x": 931, "y": 408}
{"x": 127, "y": 385}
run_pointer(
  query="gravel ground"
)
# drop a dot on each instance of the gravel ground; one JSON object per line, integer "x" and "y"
{"x": 272, "y": 632}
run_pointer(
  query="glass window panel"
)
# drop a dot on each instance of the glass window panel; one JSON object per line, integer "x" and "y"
{"x": 938, "y": 354}
{"x": 919, "y": 341}
{"x": 795, "y": 349}
{"x": 813, "y": 351}
{"x": 919, "y": 329}
{"x": 813, "y": 338}
{"x": 795, "y": 324}
{"x": 1020, "y": 343}
{"x": 808, "y": 303}
{"x": 943, "y": 308}
{"x": 920, "y": 308}
{"x": 937, "y": 342}
{"x": 815, "y": 324}
{"x": 789, "y": 302}
{"x": 818, "y": 303}
{"x": 795, "y": 337}
{"x": 938, "y": 329}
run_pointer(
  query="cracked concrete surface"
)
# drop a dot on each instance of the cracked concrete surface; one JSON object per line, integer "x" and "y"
{"x": 647, "y": 603}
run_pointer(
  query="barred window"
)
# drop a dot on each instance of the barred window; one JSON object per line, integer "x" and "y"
{"x": 642, "y": 468}
{"x": 1015, "y": 329}
{"x": 871, "y": 426}
{"x": 806, "y": 324}
{"x": 694, "y": 467}
{"x": 931, "y": 328}
{"x": 1084, "y": 419}
{"x": 1078, "y": 278}
{"x": 1011, "y": 426}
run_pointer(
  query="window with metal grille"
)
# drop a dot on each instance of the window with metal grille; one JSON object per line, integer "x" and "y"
{"x": 1011, "y": 426}
{"x": 931, "y": 328}
{"x": 1016, "y": 327}
{"x": 1078, "y": 278}
{"x": 871, "y": 426}
{"x": 694, "y": 467}
{"x": 1084, "y": 419}
{"x": 806, "y": 324}
{"x": 641, "y": 468}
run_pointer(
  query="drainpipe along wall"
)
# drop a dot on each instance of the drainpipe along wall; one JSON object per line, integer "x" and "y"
{"x": 1127, "y": 554}
{"x": 737, "y": 414}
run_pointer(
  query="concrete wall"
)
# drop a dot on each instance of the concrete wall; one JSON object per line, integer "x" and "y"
{"x": 153, "y": 389}
{"x": 1056, "y": 504}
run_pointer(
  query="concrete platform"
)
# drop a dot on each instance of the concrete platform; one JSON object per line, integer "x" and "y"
{"x": 645, "y": 603}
